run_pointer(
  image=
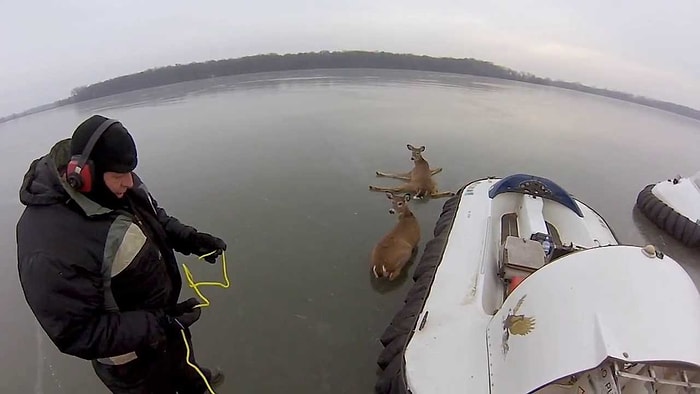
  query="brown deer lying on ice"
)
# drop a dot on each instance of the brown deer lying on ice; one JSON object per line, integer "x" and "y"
{"x": 396, "y": 247}
{"x": 420, "y": 182}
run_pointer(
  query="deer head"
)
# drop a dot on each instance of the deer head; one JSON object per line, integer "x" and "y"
{"x": 398, "y": 203}
{"x": 415, "y": 152}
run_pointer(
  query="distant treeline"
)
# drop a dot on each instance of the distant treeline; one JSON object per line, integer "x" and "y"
{"x": 40, "y": 108}
{"x": 342, "y": 59}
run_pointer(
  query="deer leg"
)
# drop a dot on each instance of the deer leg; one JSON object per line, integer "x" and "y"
{"x": 405, "y": 176}
{"x": 401, "y": 259}
{"x": 394, "y": 274}
{"x": 435, "y": 170}
{"x": 419, "y": 194}
{"x": 399, "y": 189}
{"x": 442, "y": 194}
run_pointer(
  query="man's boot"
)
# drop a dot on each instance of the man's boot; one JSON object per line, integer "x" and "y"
{"x": 215, "y": 377}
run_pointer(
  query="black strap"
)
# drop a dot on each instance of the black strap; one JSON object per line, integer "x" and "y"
{"x": 93, "y": 140}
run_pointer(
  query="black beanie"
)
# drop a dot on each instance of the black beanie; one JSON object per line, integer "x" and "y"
{"x": 115, "y": 151}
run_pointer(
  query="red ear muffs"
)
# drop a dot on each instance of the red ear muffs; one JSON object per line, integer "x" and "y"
{"x": 79, "y": 178}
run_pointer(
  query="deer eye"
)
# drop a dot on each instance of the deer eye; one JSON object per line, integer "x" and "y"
{"x": 400, "y": 204}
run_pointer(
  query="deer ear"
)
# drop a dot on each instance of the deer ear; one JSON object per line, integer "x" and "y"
{"x": 389, "y": 196}
{"x": 410, "y": 147}
{"x": 407, "y": 197}
{"x": 422, "y": 148}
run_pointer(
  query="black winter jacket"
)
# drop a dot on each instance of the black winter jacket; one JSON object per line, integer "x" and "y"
{"x": 96, "y": 279}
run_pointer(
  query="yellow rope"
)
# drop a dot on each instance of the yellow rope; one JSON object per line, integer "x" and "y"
{"x": 204, "y": 378}
{"x": 195, "y": 285}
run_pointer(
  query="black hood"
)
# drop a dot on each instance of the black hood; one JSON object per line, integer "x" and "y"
{"x": 43, "y": 184}
{"x": 114, "y": 151}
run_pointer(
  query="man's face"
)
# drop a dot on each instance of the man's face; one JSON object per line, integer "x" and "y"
{"x": 118, "y": 183}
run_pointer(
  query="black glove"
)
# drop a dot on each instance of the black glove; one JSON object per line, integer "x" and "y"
{"x": 181, "y": 315}
{"x": 203, "y": 243}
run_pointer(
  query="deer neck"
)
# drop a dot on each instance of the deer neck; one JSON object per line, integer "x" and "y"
{"x": 421, "y": 163}
{"x": 404, "y": 215}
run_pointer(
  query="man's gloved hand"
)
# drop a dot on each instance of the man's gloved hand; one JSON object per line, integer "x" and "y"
{"x": 181, "y": 315}
{"x": 203, "y": 243}
{"x": 183, "y": 307}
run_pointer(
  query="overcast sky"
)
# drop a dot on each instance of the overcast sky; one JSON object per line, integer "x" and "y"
{"x": 643, "y": 47}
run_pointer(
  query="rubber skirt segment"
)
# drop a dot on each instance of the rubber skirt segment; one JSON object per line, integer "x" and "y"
{"x": 395, "y": 339}
{"x": 666, "y": 218}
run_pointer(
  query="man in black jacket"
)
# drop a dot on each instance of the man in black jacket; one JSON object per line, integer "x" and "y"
{"x": 97, "y": 265}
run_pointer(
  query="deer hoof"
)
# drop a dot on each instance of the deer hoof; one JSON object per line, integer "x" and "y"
{"x": 374, "y": 271}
